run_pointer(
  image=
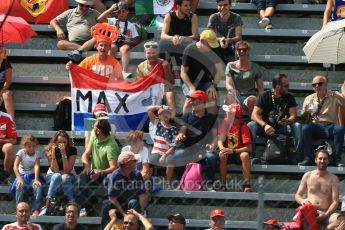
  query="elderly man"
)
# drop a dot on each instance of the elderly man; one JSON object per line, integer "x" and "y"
{"x": 197, "y": 136}
{"x": 126, "y": 188}
{"x": 176, "y": 222}
{"x": 151, "y": 64}
{"x": 78, "y": 22}
{"x": 228, "y": 26}
{"x": 23, "y": 219}
{"x": 275, "y": 112}
{"x": 322, "y": 191}
{"x": 104, "y": 152}
{"x": 202, "y": 69}
{"x": 130, "y": 221}
{"x": 72, "y": 216}
{"x": 320, "y": 109}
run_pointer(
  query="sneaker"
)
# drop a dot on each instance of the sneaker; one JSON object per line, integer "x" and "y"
{"x": 36, "y": 212}
{"x": 264, "y": 22}
{"x": 269, "y": 27}
{"x": 75, "y": 56}
{"x": 43, "y": 211}
{"x": 127, "y": 76}
{"x": 168, "y": 187}
{"x": 83, "y": 212}
{"x": 247, "y": 189}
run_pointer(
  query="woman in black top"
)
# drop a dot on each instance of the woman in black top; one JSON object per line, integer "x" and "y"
{"x": 61, "y": 157}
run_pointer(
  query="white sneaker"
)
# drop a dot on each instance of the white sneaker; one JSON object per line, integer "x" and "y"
{"x": 264, "y": 22}
{"x": 127, "y": 76}
{"x": 43, "y": 211}
{"x": 269, "y": 27}
{"x": 83, "y": 212}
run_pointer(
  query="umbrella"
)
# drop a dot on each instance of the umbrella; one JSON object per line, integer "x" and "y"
{"x": 327, "y": 45}
{"x": 15, "y": 30}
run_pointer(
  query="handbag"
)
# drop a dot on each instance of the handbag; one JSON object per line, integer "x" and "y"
{"x": 277, "y": 150}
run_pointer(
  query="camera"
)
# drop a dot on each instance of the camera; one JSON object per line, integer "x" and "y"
{"x": 120, "y": 40}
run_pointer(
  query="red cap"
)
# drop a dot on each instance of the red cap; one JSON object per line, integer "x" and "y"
{"x": 234, "y": 109}
{"x": 217, "y": 212}
{"x": 198, "y": 94}
{"x": 100, "y": 108}
{"x": 273, "y": 222}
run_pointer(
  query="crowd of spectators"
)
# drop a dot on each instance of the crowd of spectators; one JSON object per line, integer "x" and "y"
{"x": 195, "y": 136}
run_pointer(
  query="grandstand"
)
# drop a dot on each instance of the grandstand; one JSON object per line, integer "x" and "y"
{"x": 40, "y": 81}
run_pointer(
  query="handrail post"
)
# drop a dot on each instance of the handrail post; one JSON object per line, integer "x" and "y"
{"x": 261, "y": 205}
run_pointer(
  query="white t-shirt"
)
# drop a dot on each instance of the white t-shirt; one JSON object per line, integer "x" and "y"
{"x": 131, "y": 30}
{"x": 143, "y": 155}
{"x": 26, "y": 166}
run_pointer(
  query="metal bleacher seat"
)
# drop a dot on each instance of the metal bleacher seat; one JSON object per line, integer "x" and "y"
{"x": 27, "y": 53}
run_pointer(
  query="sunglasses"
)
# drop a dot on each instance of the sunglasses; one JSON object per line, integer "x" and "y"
{"x": 129, "y": 222}
{"x": 242, "y": 49}
{"x": 317, "y": 84}
{"x": 83, "y": 5}
{"x": 153, "y": 46}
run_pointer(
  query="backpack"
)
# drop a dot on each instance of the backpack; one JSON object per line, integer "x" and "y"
{"x": 63, "y": 115}
{"x": 55, "y": 207}
{"x": 277, "y": 150}
{"x": 192, "y": 178}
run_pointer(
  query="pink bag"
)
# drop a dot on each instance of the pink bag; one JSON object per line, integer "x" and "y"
{"x": 192, "y": 178}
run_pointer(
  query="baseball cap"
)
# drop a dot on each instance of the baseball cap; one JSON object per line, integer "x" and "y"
{"x": 198, "y": 94}
{"x": 126, "y": 157}
{"x": 122, "y": 6}
{"x": 234, "y": 109}
{"x": 178, "y": 218}
{"x": 85, "y": 2}
{"x": 272, "y": 222}
{"x": 211, "y": 38}
{"x": 100, "y": 108}
{"x": 217, "y": 212}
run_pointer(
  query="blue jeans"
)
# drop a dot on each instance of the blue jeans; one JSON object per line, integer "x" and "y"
{"x": 84, "y": 187}
{"x": 312, "y": 132}
{"x": 38, "y": 196}
{"x": 294, "y": 129}
{"x": 55, "y": 181}
{"x": 183, "y": 156}
{"x": 107, "y": 205}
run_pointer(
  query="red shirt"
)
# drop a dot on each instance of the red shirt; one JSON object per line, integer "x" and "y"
{"x": 233, "y": 139}
{"x": 7, "y": 127}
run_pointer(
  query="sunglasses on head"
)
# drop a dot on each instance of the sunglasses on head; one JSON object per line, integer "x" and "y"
{"x": 153, "y": 46}
{"x": 83, "y": 5}
{"x": 317, "y": 84}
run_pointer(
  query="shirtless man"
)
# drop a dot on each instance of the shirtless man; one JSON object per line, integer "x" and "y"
{"x": 321, "y": 186}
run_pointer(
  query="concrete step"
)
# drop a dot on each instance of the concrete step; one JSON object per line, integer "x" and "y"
{"x": 278, "y": 22}
{"x": 295, "y": 75}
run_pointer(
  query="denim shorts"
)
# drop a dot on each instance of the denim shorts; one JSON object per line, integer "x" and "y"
{"x": 263, "y": 4}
